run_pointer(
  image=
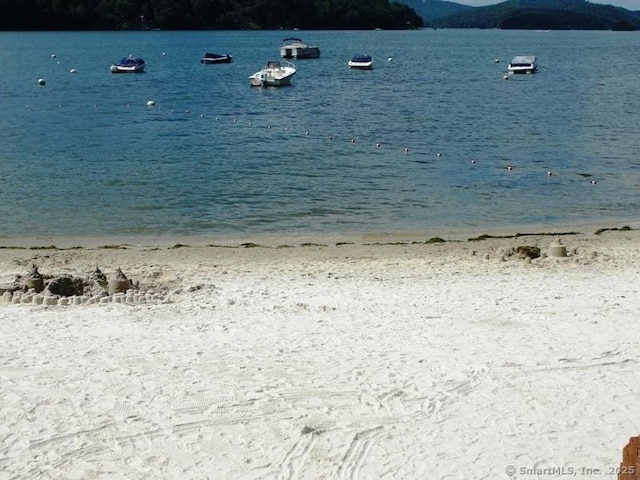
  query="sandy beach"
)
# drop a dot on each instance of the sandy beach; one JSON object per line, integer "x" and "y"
{"x": 389, "y": 357}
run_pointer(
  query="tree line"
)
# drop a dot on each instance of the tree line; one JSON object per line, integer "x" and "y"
{"x": 543, "y": 14}
{"x": 206, "y": 14}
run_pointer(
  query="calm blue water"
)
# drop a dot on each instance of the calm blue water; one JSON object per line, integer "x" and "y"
{"x": 84, "y": 155}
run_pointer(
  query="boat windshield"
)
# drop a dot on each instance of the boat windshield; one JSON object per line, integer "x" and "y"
{"x": 131, "y": 61}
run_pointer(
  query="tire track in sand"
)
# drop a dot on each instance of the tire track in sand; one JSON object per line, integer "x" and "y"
{"x": 357, "y": 452}
{"x": 295, "y": 458}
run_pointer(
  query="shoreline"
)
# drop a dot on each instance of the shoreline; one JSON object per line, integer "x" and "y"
{"x": 169, "y": 268}
{"x": 323, "y": 238}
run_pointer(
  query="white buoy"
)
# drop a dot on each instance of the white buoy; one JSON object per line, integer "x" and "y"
{"x": 53, "y": 55}
{"x": 73, "y": 70}
{"x": 390, "y": 59}
{"x": 593, "y": 182}
{"x": 506, "y": 77}
{"x": 41, "y": 81}
{"x": 150, "y": 103}
{"x": 549, "y": 173}
{"x": 497, "y": 60}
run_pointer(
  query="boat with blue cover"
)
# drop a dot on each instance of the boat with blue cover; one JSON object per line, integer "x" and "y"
{"x": 212, "y": 58}
{"x": 362, "y": 62}
{"x": 129, "y": 64}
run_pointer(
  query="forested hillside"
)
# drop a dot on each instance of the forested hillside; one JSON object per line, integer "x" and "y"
{"x": 543, "y": 14}
{"x": 205, "y": 14}
{"x": 430, "y": 10}
{"x": 309, "y": 15}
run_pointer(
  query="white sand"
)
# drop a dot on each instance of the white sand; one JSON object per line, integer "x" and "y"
{"x": 351, "y": 361}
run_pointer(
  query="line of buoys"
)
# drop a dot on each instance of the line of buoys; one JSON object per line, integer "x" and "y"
{"x": 307, "y": 133}
{"x": 377, "y": 145}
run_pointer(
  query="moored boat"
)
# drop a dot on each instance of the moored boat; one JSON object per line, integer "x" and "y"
{"x": 295, "y": 48}
{"x": 211, "y": 58}
{"x": 129, "y": 64}
{"x": 273, "y": 74}
{"x": 362, "y": 62}
{"x": 523, "y": 64}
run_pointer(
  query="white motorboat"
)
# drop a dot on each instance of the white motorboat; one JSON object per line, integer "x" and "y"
{"x": 523, "y": 64}
{"x": 274, "y": 74}
{"x": 362, "y": 62}
{"x": 294, "y": 48}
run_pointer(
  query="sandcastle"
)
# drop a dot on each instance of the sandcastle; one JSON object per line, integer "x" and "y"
{"x": 64, "y": 290}
{"x": 34, "y": 280}
{"x": 557, "y": 249}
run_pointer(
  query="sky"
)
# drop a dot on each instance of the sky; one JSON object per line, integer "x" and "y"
{"x": 628, "y": 4}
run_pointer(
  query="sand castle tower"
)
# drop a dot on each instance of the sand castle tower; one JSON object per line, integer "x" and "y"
{"x": 557, "y": 248}
{"x": 119, "y": 283}
{"x": 34, "y": 280}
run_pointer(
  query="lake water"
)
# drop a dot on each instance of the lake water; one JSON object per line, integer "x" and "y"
{"x": 421, "y": 142}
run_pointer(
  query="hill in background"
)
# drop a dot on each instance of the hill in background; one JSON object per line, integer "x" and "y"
{"x": 310, "y": 15}
{"x": 431, "y": 10}
{"x": 527, "y": 14}
{"x": 206, "y": 15}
